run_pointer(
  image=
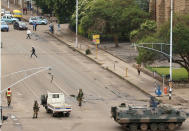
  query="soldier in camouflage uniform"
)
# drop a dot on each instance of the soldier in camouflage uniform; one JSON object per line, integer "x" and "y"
{"x": 35, "y": 109}
{"x": 80, "y": 97}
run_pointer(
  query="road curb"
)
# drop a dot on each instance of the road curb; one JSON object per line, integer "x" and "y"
{"x": 73, "y": 48}
{"x": 146, "y": 93}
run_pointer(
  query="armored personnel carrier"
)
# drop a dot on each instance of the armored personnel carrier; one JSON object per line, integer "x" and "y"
{"x": 151, "y": 118}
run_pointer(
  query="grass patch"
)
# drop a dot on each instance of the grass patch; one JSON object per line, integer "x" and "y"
{"x": 178, "y": 73}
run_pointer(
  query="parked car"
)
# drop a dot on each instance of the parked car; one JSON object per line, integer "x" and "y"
{"x": 4, "y": 26}
{"x": 39, "y": 20}
{"x": 7, "y": 12}
{"x": 2, "y": 12}
{"x": 20, "y": 25}
{"x": 9, "y": 19}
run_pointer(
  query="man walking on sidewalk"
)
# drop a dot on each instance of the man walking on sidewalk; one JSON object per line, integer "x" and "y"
{"x": 28, "y": 32}
{"x": 33, "y": 52}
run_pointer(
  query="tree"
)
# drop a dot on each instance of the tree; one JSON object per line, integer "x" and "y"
{"x": 44, "y": 6}
{"x": 180, "y": 42}
{"x": 63, "y": 9}
{"x": 148, "y": 28}
{"x": 109, "y": 18}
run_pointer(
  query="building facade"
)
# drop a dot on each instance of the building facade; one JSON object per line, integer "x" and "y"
{"x": 160, "y": 9}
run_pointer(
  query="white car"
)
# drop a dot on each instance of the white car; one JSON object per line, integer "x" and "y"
{"x": 39, "y": 20}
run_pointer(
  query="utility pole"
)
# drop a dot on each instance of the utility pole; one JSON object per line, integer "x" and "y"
{"x": 0, "y": 92}
{"x": 171, "y": 48}
{"x": 76, "y": 40}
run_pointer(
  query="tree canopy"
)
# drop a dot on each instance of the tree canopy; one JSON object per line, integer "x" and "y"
{"x": 180, "y": 41}
{"x": 112, "y": 19}
{"x": 63, "y": 9}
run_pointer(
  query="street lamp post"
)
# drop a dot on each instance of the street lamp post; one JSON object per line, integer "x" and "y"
{"x": 76, "y": 39}
{"x": 171, "y": 48}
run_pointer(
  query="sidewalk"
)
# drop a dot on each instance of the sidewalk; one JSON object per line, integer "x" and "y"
{"x": 115, "y": 65}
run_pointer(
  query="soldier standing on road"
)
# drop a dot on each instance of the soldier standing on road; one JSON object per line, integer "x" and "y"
{"x": 33, "y": 52}
{"x": 8, "y": 95}
{"x": 80, "y": 97}
{"x": 35, "y": 109}
{"x": 138, "y": 68}
{"x": 28, "y": 34}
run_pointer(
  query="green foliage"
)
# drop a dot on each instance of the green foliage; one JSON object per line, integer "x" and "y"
{"x": 43, "y": 4}
{"x": 133, "y": 35}
{"x": 180, "y": 41}
{"x": 147, "y": 56}
{"x": 63, "y": 9}
{"x": 87, "y": 51}
{"x": 178, "y": 73}
{"x": 149, "y": 25}
{"x": 111, "y": 19}
{"x": 148, "y": 28}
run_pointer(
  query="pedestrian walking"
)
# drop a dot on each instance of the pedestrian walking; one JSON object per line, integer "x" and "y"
{"x": 23, "y": 10}
{"x": 35, "y": 109}
{"x": 58, "y": 25}
{"x": 51, "y": 28}
{"x": 33, "y": 52}
{"x": 34, "y": 26}
{"x": 28, "y": 32}
{"x": 80, "y": 97}
{"x": 8, "y": 96}
{"x": 138, "y": 68}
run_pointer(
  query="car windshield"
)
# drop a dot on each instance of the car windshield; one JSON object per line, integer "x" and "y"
{"x": 33, "y": 18}
{"x": 39, "y": 17}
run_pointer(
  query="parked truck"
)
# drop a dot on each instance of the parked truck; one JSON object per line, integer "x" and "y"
{"x": 55, "y": 103}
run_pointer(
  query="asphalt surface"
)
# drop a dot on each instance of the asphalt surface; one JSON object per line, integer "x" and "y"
{"x": 71, "y": 72}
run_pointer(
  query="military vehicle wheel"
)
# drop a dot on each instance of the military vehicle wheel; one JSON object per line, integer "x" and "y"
{"x": 133, "y": 127}
{"x": 154, "y": 127}
{"x": 144, "y": 127}
{"x": 161, "y": 127}
{"x": 171, "y": 126}
{"x": 178, "y": 125}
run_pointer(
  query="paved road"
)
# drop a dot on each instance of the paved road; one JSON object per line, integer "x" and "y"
{"x": 71, "y": 71}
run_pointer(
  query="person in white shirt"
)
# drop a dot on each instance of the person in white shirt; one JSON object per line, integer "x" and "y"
{"x": 28, "y": 34}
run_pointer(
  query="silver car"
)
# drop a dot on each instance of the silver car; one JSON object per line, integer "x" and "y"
{"x": 39, "y": 20}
